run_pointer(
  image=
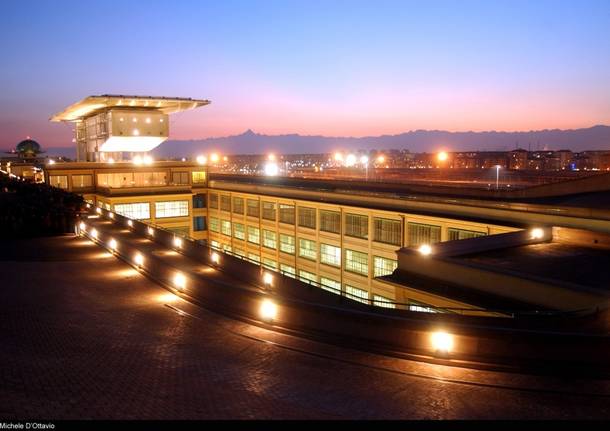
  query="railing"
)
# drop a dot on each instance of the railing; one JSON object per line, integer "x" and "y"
{"x": 408, "y": 305}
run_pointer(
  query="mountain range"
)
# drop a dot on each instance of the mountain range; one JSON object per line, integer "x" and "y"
{"x": 249, "y": 142}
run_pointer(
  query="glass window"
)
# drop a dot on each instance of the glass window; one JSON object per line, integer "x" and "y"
{"x": 356, "y": 261}
{"x": 253, "y": 208}
{"x": 286, "y": 214}
{"x": 215, "y": 244}
{"x": 387, "y": 231}
{"x": 214, "y": 200}
{"x": 457, "y": 234}
{"x": 307, "y": 249}
{"x": 198, "y": 223}
{"x": 330, "y": 255}
{"x": 307, "y": 277}
{"x": 171, "y": 209}
{"x": 132, "y": 179}
{"x": 226, "y": 247}
{"x": 383, "y": 266}
{"x": 238, "y": 205}
{"x": 288, "y": 270}
{"x": 136, "y": 211}
{"x": 225, "y": 202}
{"x": 239, "y": 231}
{"x": 357, "y": 225}
{"x": 330, "y": 221}
{"x": 307, "y": 217}
{"x": 422, "y": 308}
{"x": 269, "y": 210}
{"x": 254, "y": 257}
{"x": 356, "y": 294}
{"x": 180, "y": 230}
{"x": 239, "y": 252}
{"x": 269, "y": 263}
{"x": 225, "y": 227}
{"x": 82, "y": 181}
{"x": 287, "y": 243}
{"x": 214, "y": 224}
{"x": 423, "y": 234}
{"x": 59, "y": 181}
{"x": 254, "y": 235}
{"x": 199, "y": 200}
{"x": 198, "y": 177}
{"x": 269, "y": 239}
{"x": 382, "y": 301}
{"x": 330, "y": 285}
{"x": 180, "y": 178}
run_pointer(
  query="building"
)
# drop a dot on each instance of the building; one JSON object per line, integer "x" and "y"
{"x": 109, "y": 125}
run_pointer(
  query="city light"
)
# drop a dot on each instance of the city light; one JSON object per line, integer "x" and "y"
{"x": 111, "y": 215}
{"x": 268, "y": 310}
{"x": 151, "y": 231}
{"x": 350, "y": 160}
{"x": 179, "y": 281}
{"x": 138, "y": 259}
{"x": 442, "y": 156}
{"x": 51, "y": 162}
{"x": 215, "y": 258}
{"x": 271, "y": 157}
{"x": 137, "y": 160}
{"x": 441, "y": 341}
{"x": 537, "y": 233}
{"x": 82, "y": 226}
{"x": 271, "y": 169}
{"x": 111, "y": 160}
{"x": 88, "y": 205}
{"x": 202, "y": 160}
{"x": 94, "y": 233}
{"x": 338, "y": 157}
{"x": 148, "y": 160}
{"x": 381, "y": 159}
{"x": 177, "y": 242}
{"x": 364, "y": 160}
{"x": 98, "y": 210}
{"x": 214, "y": 157}
{"x": 267, "y": 278}
{"x": 425, "y": 249}
{"x": 112, "y": 244}
{"x": 129, "y": 223}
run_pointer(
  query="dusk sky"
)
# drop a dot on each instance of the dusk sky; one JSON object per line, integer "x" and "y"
{"x": 331, "y": 67}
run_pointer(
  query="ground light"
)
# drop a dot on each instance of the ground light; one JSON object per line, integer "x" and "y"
{"x": 151, "y": 231}
{"x": 129, "y": 223}
{"x": 112, "y": 244}
{"x": 202, "y": 160}
{"x": 138, "y": 259}
{"x": 268, "y": 310}
{"x": 215, "y": 258}
{"x": 94, "y": 233}
{"x": 82, "y": 226}
{"x": 179, "y": 281}
{"x": 425, "y": 249}
{"x": 267, "y": 279}
{"x": 177, "y": 242}
{"x": 442, "y": 342}
{"x": 537, "y": 233}
{"x": 111, "y": 215}
{"x": 98, "y": 210}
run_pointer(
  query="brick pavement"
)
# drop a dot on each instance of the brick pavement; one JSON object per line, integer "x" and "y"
{"x": 85, "y": 336}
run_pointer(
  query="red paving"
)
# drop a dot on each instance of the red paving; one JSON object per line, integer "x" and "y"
{"x": 85, "y": 336}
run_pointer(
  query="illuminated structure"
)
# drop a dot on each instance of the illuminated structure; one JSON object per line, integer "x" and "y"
{"x": 107, "y": 126}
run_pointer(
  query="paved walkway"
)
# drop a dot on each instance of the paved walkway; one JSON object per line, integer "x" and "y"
{"x": 82, "y": 335}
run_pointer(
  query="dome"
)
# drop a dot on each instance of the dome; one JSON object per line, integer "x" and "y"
{"x": 28, "y": 148}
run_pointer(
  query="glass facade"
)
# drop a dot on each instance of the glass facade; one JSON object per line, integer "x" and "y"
{"x": 198, "y": 177}
{"x": 357, "y": 262}
{"x": 288, "y": 270}
{"x": 198, "y": 223}
{"x": 59, "y": 181}
{"x": 269, "y": 211}
{"x": 136, "y": 211}
{"x": 238, "y": 205}
{"x": 82, "y": 181}
{"x": 180, "y": 178}
{"x": 457, "y": 234}
{"x": 382, "y": 301}
{"x": 132, "y": 179}
{"x": 307, "y": 217}
{"x": 214, "y": 224}
{"x": 199, "y": 200}
{"x": 420, "y": 233}
{"x": 330, "y": 255}
{"x": 387, "y": 231}
{"x": 269, "y": 239}
{"x": 356, "y": 294}
{"x": 213, "y": 200}
{"x": 239, "y": 231}
{"x": 357, "y": 226}
{"x": 171, "y": 209}
{"x": 331, "y": 285}
{"x": 225, "y": 203}
{"x": 383, "y": 266}
{"x": 307, "y": 249}
{"x": 254, "y": 235}
{"x": 225, "y": 227}
{"x": 330, "y": 221}
{"x": 253, "y": 208}
{"x": 307, "y": 277}
{"x": 269, "y": 263}
{"x": 286, "y": 214}
{"x": 287, "y": 243}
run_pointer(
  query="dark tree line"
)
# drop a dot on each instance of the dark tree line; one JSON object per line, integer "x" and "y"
{"x": 28, "y": 209}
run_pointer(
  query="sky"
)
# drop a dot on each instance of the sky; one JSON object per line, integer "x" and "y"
{"x": 314, "y": 67}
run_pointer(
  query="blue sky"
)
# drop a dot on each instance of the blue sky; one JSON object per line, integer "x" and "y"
{"x": 350, "y": 68}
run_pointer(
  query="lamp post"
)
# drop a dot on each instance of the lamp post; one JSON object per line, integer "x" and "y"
{"x": 497, "y": 177}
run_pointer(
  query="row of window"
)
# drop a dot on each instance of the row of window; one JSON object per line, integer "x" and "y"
{"x": 386, "y": 231}
{"x": 141, "y": 210}
{"x": 355, "y": 261}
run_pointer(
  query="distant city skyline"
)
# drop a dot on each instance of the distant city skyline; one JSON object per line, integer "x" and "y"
{"x": 313, "y": 68}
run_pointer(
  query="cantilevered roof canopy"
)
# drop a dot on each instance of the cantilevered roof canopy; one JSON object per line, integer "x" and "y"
{"x": 90, "y": 105}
